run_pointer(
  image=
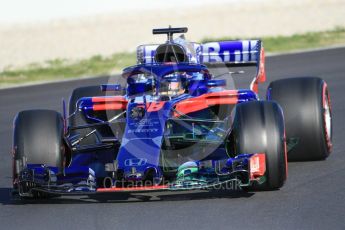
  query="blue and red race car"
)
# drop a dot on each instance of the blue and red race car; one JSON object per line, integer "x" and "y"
{"x": 174, "y": 126}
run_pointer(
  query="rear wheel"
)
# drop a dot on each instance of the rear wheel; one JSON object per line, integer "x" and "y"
{"x": 308, "y": 117}
{"x": 259, "y": 128}
{"x": 78, "y": 119}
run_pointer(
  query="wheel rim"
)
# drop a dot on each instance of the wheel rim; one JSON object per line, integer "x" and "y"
{"x": 328, "y": 118}
{"x": 327, "y": 115}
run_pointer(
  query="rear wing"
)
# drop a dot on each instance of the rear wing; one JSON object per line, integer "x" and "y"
{"x": 236, "y": 53}
{"x": 229, "y": 53}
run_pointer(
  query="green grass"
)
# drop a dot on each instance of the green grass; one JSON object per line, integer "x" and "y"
{"x": 97, "y": 65}
{"x": 62, "y": 69}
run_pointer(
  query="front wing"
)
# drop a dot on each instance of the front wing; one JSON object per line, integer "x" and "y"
{"x": 232, "y": 173}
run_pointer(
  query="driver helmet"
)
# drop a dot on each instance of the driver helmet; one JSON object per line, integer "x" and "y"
{"x": 171, "y": 85}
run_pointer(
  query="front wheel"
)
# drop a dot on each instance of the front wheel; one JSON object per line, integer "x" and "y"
{"x": 37, "y": 139}
{"x": 258, "y": 127}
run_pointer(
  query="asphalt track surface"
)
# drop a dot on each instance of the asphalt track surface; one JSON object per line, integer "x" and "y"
{"x": 312, "y": 198}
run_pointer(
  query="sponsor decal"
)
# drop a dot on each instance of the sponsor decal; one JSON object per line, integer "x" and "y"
{"x": 135, "y": 162}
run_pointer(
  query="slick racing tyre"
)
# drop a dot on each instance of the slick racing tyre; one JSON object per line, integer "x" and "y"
{"x": 308, "y": 116}
{"x": 38, "y": 137}
{"x": 258, "y": 127}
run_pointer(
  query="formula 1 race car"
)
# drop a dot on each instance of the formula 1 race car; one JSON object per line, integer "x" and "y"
{"x": 174, "y": 126}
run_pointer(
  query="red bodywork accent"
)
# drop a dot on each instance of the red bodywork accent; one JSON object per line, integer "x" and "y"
{"x": 226, "y": 97}
{"x": 257, "y": 165}
{"x": 108, "y": 106}
{"x": 261, "y": 74}
{"x": 109, "y": 99}
{"x": 118, "y": 102}
{"x": 155, "y": 106}
{"x": 109, "y": 103}
{"x": 133, "y": 189}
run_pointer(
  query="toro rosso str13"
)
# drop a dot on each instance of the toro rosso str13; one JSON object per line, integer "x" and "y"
{"x": 174, "y": 126}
